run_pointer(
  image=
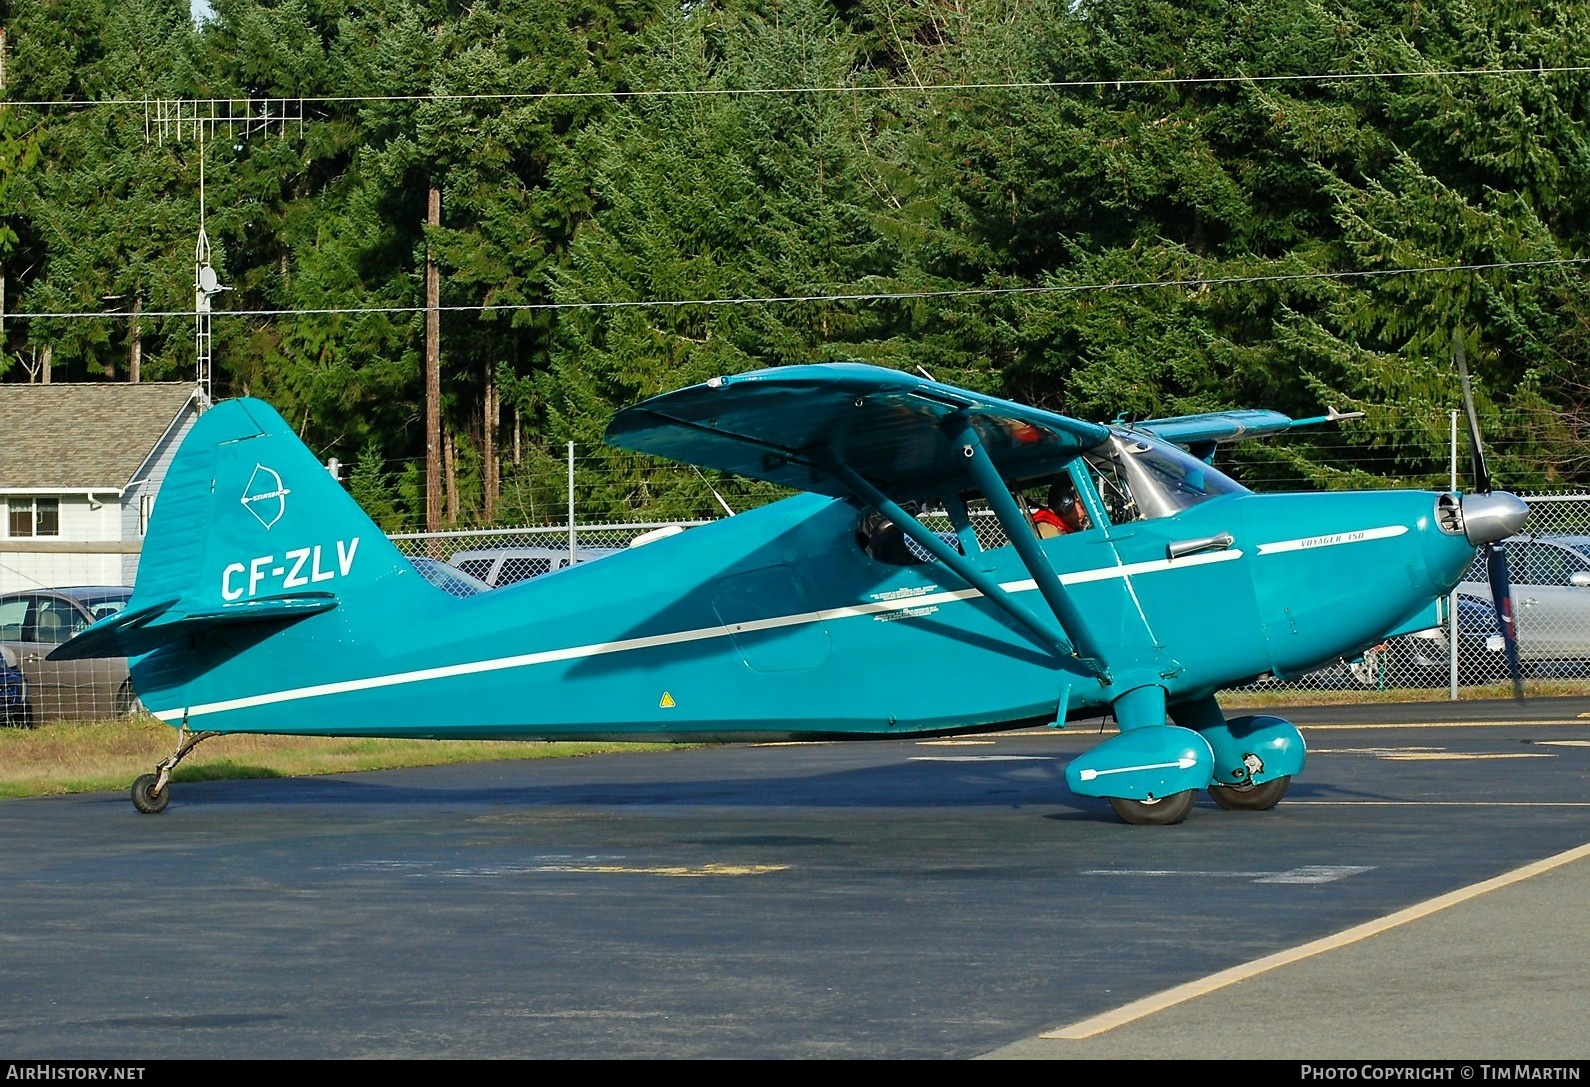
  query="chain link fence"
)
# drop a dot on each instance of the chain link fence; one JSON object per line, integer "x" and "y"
{"x": 1549, "y": 565}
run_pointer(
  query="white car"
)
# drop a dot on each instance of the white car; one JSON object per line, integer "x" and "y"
{"x": 1550, "y": 583}
{"x": 498, "y": 566}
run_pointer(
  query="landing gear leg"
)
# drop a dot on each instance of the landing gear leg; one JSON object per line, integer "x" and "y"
{"x": 1152, "y": 772}
{"x": 151, "y": 792}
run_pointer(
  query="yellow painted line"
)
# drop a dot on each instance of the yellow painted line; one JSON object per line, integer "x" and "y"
{"x": 955, "y": 743}
{"x": 1366, "y": 750}
{"x": 1552, "y": 722}
{"x": 1138, "y": 1009}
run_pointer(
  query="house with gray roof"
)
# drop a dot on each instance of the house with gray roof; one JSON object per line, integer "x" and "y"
{"x": 80, "y": 469}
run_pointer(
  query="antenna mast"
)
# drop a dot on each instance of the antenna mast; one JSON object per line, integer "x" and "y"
{"x": 238, "y": 118}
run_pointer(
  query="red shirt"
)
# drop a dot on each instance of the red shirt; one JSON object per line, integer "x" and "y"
{"x": 1046, "y": 516}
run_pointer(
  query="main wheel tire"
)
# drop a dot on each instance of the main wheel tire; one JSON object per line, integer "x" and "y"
{"x": 144, "y": 797}
{"x": 1261, "y": 797}
{"x": 1164, "y": 812}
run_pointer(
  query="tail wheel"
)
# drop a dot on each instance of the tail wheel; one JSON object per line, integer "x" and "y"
{"x": 1261, "y": 797}
{"x": 1159, "y": 812}
{"x": 145, "y": 797}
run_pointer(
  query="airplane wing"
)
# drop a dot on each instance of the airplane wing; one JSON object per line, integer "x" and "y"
{"x": 1200, "y": 434}
{"x": 795, "y": 425}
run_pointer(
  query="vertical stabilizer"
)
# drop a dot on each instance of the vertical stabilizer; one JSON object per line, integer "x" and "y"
{"x": 247, "y": 514}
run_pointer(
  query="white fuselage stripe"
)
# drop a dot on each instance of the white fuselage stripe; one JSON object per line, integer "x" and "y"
{"x": 625, "y": 645}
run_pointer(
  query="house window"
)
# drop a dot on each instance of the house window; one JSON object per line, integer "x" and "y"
{"x": 33, "y": 516}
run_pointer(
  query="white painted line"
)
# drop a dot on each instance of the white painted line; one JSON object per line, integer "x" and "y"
{"x": 1458, "y": 756}
{"x": 1183, "y": 763}
{"x": 1317, "y": 873}
{"x": 893, "y": 607}
{"x": 1314, "y": 873}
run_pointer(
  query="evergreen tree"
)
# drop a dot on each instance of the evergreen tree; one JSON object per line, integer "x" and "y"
{"x": 105, "y": 231}
{"x": 749, "y": 188}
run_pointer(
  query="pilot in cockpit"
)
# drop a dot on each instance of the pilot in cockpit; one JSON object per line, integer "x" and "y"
{"x": 1063, "y": 512}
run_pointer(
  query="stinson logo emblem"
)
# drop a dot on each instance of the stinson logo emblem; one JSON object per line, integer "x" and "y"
{"x": 265, "y": 497}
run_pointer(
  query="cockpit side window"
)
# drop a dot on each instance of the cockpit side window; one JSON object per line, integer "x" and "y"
{"x": 885, "y": 541}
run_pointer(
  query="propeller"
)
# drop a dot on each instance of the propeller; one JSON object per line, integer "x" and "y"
{"x": 1495, "y": 553}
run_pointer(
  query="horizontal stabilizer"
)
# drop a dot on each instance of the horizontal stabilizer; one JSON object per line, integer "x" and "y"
{"x": 136, "y": 631}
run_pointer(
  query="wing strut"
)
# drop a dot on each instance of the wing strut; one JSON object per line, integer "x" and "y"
{"x": 1050, "y": 637}
{"x": 1025, "y": 540}
{"x": 1069, "y": 638}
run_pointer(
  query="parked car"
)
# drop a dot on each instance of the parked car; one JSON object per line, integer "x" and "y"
{"x": 1423, "y": 659}
{"x": 1550, "y": 578}
{"x": 498, "y": 566}
{"x": 448, "y": 578}
{"x": 35, "y": 621}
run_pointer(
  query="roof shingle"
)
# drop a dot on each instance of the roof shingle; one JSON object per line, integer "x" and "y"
{"x": 80, "y": 436}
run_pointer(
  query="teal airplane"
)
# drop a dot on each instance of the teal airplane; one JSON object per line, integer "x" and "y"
{"x": 906, "y": 591}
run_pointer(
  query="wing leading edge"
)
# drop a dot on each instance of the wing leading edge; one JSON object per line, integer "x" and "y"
{"x": 808, "y": 427}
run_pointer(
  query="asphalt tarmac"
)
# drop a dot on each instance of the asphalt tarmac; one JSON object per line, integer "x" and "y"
{"x": 1419, "y": 895}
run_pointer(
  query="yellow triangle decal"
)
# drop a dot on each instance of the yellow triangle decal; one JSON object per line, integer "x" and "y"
{"x": 667, "y": 702}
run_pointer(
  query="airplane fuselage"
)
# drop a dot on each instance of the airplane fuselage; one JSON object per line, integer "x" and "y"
{"x": 776, "y": 623}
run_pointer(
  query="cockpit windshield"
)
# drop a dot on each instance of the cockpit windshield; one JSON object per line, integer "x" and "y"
{"x": 1140, "y": 476}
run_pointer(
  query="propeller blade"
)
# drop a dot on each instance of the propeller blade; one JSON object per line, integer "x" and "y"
{"x": 1502, "y": 599}
{"x": 1482, "y": 478}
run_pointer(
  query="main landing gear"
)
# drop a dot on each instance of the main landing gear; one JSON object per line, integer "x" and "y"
{"x": 152, "y": 792}
{"x": 1152, "y": 772}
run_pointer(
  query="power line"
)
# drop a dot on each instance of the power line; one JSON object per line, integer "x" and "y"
{"x": 928, "y": 88}
{"x": 870, "y": 296}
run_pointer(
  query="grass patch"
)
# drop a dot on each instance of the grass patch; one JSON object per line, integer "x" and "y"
{"x": 105, "y": 756}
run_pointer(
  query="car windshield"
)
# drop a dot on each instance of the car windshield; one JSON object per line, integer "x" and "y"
{"x": 1538, "y": 560}
{"x": 449, "y": 579}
